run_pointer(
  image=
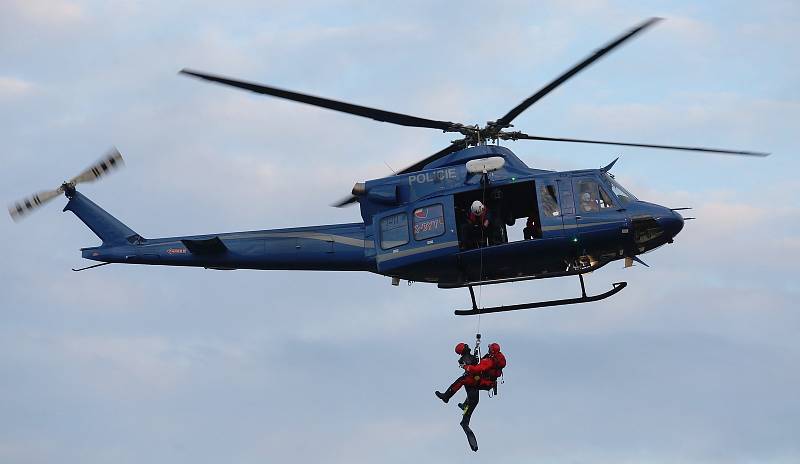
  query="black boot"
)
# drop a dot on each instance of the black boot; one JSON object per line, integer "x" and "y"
{"x": 444, "y": 396}
{"x": 473, "y": 442}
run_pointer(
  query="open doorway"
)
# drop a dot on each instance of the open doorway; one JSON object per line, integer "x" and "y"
{"x": 512, "y": 215}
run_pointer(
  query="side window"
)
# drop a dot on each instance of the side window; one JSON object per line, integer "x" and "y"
{"x": 549, "y": 200}
{"x": 394, "y": 231}
{"x": 588, "y": 195}
{"x": 428, "y": 222}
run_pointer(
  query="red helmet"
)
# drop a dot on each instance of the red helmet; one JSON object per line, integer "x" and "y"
{"x": 494, "y": 348}
{"x": 461, "y": 347}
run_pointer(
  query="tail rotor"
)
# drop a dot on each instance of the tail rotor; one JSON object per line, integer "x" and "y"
{"x": 105, "y": 165}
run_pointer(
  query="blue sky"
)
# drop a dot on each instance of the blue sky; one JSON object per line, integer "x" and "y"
{"x": 695, "y": 362}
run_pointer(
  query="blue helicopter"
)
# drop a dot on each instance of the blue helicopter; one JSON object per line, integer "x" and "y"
{"x": 416, "y": 222}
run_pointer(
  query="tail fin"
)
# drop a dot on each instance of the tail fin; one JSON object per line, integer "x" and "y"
{"x": 110, "y": 230}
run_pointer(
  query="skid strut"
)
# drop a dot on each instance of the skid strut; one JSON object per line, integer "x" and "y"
{"x": 584, "y": 298}
{"x": 472, "y": 295}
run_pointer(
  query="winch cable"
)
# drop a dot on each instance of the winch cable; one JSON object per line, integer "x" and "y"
{"x": 484, "y": 181}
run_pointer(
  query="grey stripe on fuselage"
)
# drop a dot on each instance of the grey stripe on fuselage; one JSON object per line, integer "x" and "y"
{"x": 573, "y": 226}
{"x": 355, "y": 242}
{"x": 413, "y": 251}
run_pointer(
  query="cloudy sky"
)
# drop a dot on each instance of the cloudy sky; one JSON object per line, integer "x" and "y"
{"x": 695, "y": 362}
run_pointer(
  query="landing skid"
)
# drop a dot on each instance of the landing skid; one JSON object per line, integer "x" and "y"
{"x": 616, "y": 288}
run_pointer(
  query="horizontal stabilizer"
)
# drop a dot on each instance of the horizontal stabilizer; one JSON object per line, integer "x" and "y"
{"x": 209, "y": 246}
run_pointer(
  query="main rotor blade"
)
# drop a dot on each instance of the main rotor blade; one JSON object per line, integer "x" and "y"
{"x": 453, "y": 147}
{"x": 346, "y": 201}
{"x": 358, "y": 110}
{"x": 505, "y": 120}
{"x": 21, "y": 208}
{"x": 112, "y": 160}
{"x": 521, "y": 136}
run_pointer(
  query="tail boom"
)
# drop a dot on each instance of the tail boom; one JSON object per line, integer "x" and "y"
{"x": 339, "y": 247}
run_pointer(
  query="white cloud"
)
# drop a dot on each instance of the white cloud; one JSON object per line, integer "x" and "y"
{"x": 12, "y": 88}
{"x": 45, "y": 12}
{"x": 688, "y": 29}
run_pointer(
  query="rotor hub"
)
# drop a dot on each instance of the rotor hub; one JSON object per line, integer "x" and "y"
{"x": 69, "y": 189}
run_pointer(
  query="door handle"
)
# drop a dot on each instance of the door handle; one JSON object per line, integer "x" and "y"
{"x": 577, "y": 217}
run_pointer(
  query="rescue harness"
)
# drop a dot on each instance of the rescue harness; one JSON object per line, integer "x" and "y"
{"x": 477, "y": 353}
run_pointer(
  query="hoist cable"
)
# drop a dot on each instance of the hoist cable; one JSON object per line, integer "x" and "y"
{"x": 484, "y": 181}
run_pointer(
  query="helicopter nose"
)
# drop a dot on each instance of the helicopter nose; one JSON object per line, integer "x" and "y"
{"x": 671, "y": 223}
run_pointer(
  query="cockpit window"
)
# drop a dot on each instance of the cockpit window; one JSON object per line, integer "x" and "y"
{"x": 587, "y": 196}
{"x": 624, "y": 196}
{"x": 592, "y": 197}
{"x": 605, "y": 200}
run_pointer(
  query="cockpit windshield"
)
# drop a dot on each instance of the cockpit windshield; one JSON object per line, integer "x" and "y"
{"x": 624, "y": 196}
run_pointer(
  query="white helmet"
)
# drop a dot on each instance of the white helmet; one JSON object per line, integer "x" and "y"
{"x": 477, "y": 208}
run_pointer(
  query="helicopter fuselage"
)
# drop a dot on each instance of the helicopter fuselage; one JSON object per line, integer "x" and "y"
{"x": 415, "y": 227}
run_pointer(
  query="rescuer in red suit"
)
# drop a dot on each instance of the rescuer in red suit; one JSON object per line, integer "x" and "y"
{"x": 477, "y": 376}
{"x": 489, "y": 369}
{"x": 466, "y": 359}
{"x": 485, "y": 375}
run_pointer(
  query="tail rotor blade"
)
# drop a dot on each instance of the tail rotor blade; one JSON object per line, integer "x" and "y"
{"x": 21, "y": 208}
{"x": 111, "y": 161}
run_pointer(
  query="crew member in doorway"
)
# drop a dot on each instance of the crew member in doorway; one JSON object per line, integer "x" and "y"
{"x": 529, "y": 231}
{"x": 475, "y": 229}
